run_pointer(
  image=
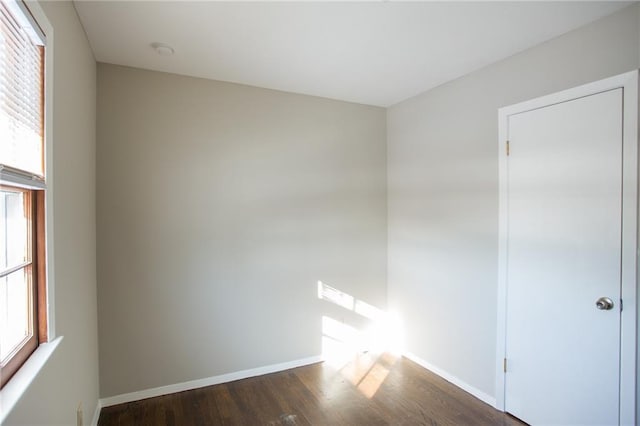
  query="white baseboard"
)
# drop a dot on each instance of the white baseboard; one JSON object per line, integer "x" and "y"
{"x": 274, "y": 368}
{"x": 486, "y": 398}
{"x": 199, "y": 383}
{"x": 96, "y": 413}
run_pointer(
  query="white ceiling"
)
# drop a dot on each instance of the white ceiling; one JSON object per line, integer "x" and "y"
{"x": 376, "y": 53}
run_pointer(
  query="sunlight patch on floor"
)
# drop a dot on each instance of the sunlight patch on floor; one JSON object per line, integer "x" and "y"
{"x": 372, "y": 381}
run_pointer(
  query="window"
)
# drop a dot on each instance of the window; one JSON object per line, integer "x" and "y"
{"x": 22, "y": 187}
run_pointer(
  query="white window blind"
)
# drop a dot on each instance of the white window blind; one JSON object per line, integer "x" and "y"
{"x": 21, "y": 102}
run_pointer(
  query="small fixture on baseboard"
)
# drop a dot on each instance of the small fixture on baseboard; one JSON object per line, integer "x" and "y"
{"x": 162, "y": 49}
{"x": 79, "y": 415}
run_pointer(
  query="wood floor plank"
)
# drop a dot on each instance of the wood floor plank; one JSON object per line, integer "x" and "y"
{"x": 369, "y": 390}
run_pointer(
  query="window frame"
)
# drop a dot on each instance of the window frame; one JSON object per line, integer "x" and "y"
{"x": 34, "y": 267}
{"x": 39, "y": 199}
{"x": 19, "y": 384}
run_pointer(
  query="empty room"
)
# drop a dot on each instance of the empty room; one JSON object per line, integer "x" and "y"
{"x": 319, "y": 213}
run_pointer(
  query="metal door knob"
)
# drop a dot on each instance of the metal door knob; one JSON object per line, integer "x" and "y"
{"x": 604, "y": 304}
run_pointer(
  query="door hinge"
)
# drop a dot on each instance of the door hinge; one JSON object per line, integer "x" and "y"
{"x": 504, "y": 365}
{"x": 620, "y": 305}
{"x": 507, "y": 148}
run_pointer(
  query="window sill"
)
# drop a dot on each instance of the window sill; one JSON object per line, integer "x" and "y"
{"x": 19, "y": 383}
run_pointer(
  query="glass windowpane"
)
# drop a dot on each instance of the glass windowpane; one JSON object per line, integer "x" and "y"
{"x": 14, "y": 229}
{"x": 15, "y": 309}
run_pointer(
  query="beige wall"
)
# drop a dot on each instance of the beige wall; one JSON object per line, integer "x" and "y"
{"x": 443, "y": 191}
{"x": 71, "y": 375}
{"x": 220, "y": 206}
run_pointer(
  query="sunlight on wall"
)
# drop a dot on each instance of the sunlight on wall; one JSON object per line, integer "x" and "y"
{"x": 340, "y": 342}
{"x": 382, "y": 334}
{"x": 343, "y": 345}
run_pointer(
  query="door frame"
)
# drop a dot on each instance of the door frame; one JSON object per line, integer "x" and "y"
{"x": 629, "y": 268}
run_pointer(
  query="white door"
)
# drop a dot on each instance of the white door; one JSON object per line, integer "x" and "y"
{"x": 564, "y": 192}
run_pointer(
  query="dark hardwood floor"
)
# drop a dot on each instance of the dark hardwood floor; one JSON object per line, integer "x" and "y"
{"x": 370, "y": 390}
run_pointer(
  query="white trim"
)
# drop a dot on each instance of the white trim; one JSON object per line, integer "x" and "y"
{"x": 96, "y": 414}
{"x": 42, "y": 20}
{"x": 19, "y": 383}
{"x": 27, "y": 21}
{"x": 209, "y": 381}
{"x": 628, "y": 329}
{"x": 482, "y": 396}
{"x": 629, "y": 83}
{"x": 501, "y": 336}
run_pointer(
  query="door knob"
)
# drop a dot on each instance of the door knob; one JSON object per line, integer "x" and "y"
{"x": 604, "y": 304}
